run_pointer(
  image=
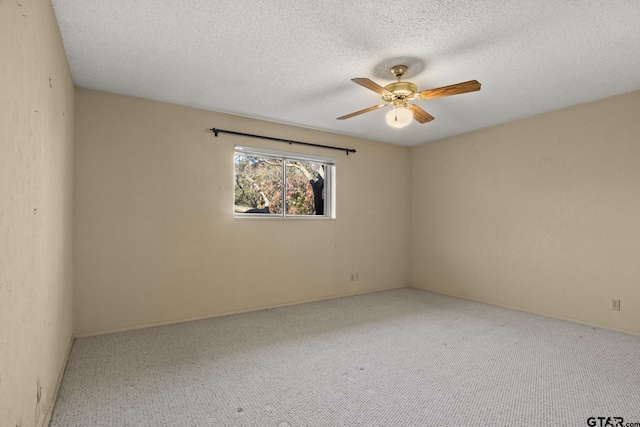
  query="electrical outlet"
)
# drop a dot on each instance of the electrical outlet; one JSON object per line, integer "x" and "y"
{"x": 615, "y": 304}
{"x": 355, "y": 277}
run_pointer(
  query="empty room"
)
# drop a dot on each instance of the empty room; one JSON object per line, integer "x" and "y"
{"x": 290, "y": 214}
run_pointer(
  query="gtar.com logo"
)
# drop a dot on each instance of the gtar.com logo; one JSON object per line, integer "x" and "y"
{"x": 605, "y": 422}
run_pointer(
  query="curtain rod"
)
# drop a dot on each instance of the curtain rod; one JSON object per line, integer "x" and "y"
{"x": 216, "y": 131}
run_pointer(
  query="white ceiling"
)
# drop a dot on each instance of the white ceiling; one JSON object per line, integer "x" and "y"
{"x": 292, "y": 61}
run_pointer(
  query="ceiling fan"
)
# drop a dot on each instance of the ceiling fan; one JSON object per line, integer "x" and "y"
{"x": 397, "y": 94}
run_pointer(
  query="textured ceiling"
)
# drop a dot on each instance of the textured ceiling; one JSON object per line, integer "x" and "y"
{"x": 292, "y": 61}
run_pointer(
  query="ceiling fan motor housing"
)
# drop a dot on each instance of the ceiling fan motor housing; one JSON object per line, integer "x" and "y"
{"x": 400, "y": 90}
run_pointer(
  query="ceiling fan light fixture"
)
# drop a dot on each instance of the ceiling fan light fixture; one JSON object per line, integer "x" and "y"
{"x": 399, "y": 117}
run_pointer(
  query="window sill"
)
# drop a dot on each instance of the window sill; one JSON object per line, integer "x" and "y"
{"x": 283, "y": 218}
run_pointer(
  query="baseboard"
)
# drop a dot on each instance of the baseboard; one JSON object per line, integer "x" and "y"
{"x": 539, "y": 313}
{"x": 228, "y": 313}
{"x": 47, "y": 418}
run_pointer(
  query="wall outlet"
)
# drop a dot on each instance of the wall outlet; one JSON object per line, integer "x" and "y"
{"x": 615, "y": 304}
{"x": 355, "y": 277}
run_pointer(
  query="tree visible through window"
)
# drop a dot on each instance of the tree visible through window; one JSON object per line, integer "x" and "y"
{"x": 264, "y": 180}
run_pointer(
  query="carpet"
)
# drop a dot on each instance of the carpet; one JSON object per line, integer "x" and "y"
{"x": 404, "y": 357}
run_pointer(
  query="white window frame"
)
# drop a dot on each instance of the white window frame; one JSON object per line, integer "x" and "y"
{"x": 329, "y": 180}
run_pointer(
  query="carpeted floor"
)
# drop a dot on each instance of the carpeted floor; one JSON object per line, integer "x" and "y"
{"x": 397, "y": 358}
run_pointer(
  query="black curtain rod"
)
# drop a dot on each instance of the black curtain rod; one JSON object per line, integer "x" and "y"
{"x": 216, "y": 131}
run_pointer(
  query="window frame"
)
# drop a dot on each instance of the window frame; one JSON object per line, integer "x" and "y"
{"x": 286, "y": 156}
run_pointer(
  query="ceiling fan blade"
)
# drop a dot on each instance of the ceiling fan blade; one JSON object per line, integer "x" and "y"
{"x": 470, "y": 86}
{"x": 419, "y": 114}
{"x": 357, "y": 113}
{"x": 372, "y": 86}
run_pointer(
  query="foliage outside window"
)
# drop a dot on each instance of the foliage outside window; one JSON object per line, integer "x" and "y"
{"x": 274, "y": 183}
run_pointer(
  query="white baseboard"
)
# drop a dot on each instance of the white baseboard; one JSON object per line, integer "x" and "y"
{"x": 539, "y": 313}
{"x": 47, "y": 418}
{"x": 227, "y": 313}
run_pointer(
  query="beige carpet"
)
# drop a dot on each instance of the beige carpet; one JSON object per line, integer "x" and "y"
{"x": 398, "y": 358}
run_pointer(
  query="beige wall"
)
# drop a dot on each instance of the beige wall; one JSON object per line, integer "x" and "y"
{"x": 541, "y": 214}
{"x": 36, "y": 133}
{"x": 156, "y": 240}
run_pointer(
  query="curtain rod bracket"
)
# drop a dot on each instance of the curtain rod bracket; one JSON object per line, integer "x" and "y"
{"x": 216, "y": 131}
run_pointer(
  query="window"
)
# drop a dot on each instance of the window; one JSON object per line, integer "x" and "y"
{"x": 280, "y": 184}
